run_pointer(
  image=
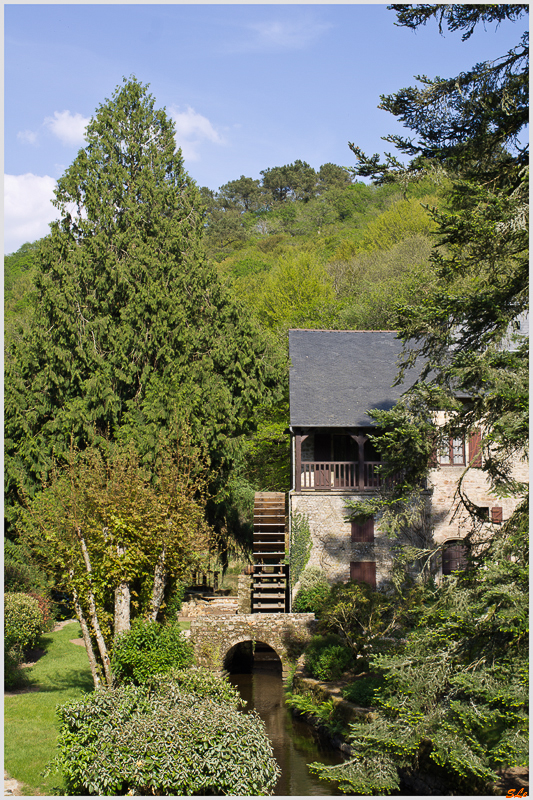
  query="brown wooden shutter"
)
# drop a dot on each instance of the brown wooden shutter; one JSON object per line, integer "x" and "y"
{"x": 364, "y": 572}
{"x": 474, "y": 446}
{"x": 453, "y": 558}
{"x": 363, "y": 532}
{"x": 497, "y": 515}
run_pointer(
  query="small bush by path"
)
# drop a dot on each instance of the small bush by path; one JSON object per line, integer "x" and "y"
{"x": 30, "y": 723}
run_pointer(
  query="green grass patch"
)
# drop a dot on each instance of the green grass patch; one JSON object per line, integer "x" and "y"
{"x": 30, "y": 723}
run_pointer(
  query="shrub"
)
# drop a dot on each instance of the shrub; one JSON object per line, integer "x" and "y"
{"x": 147, "y": 649}
{"x": 23, "y": 625}
{"x": 174, "y": 603}
{"x": 162, "y": 740}
{"x": 327, "y": 657}
{"x": 313, "y": 592}
{"x": 312, "y": 599}
{"x": 203, "y": 684}
{"x": 361, "y": 692}
{"x": 23, "y": 621}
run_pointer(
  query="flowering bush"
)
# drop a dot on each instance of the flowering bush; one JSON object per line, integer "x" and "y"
{"x": 162, "y": 739}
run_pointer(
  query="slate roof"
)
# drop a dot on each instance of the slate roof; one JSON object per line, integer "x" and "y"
{"x": 337, "y": 376}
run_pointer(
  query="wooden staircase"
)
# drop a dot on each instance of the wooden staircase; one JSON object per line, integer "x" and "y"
{"x": 270, "y": 590}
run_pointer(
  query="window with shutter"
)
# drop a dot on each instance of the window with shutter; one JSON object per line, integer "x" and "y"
{"x": 474, "y": 449}
{"x": 451, "y": 451}
{"x": 497, "y": 515}
{"x": 364, "y": 572}
{"x": 363, "y": 532}
{"x": 454, "y": 557}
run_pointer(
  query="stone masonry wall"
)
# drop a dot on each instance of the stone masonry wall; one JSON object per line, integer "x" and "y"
{"x": 213, "y": 637}
{"x": 332, "y": 548}
{"x": 449, "y": 522}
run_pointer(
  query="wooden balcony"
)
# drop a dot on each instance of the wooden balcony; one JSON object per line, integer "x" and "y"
{"x": 323, "y": 476}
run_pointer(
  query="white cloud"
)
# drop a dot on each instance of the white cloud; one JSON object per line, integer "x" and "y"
{"x": 69, "y": 128}
{"x": 191, "y": 130}
{"x": 27, "y": 209}
{"x": 277, "y": 35}
{"x": 29, "y": 137}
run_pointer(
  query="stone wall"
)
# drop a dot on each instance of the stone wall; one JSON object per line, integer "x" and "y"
{"x": 448, "y": 520}
{"x": 332, "y": 548}
{"x": 214, "y": 637}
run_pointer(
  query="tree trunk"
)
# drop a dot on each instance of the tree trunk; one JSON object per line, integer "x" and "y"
{"x": 87, "y": 640}
{"x": 94, "y": 616}
{"x": 122, "y": 608}
{"x": 160, "y": 581}
{"x": 122, "y": 603}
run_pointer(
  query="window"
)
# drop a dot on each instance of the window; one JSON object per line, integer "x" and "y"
{"x": 363, "y": 532}
{"x": 452, "y": 451}
{"x": 497, "y": 515}
{"x": 364, "y": 572}
{"x": 454, "y": 557}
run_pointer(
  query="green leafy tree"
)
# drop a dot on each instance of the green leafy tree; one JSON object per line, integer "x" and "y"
{"x": 117, "y": 539}
{"x": 332, "y": 176}
{"x": 297, "y": 293}
{"x": 131, "y": 324}
{"x": 295, "y": 181}
{"x": 244, "y": 193}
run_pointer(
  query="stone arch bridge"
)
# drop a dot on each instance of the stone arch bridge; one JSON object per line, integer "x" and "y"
{"x": 215, "y": 637}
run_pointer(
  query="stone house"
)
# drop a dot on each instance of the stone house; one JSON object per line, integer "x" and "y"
{"x": 335, "y": 378}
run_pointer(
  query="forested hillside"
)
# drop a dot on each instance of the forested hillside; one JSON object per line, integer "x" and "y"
{"x": 300, "y": 248}
{"x": 304, "y": 248}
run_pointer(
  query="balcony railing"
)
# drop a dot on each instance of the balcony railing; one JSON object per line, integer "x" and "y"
{"x": 324, "y": 475}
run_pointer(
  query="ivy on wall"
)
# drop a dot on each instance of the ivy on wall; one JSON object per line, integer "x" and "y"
{"x": 300, "y": 545}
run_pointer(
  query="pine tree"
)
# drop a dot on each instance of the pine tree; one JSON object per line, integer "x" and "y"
{"x": 132, "y": 327}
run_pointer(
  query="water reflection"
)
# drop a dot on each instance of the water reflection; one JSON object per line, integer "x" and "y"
{"x": 293, "y": 742}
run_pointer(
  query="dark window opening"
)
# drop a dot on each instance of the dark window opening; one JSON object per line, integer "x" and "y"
{"x": 322, "y": 447}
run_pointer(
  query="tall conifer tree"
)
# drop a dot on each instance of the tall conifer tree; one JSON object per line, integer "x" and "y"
{"x": 132, "y": 326}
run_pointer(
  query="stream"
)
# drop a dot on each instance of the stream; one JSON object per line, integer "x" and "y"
{"x": 293, "y": 741}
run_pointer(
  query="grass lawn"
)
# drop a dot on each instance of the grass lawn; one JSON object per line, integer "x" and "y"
{"x": 30, "y": 723}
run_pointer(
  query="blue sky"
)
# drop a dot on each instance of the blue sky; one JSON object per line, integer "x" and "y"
{"x": 249, "y": 86}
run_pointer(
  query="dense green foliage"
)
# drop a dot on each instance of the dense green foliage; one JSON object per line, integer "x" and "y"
{"x": 132, "y": 325}
{"x": 455, "y": 698}
{"x": 327, "y": 657}
{"x": 362, "y": 691}
{"x": 106, "y": 529}
{"x": 162, "y": 739}
{"x": 313, "y": 593}
{"x": 23, "y": 625}
{"x": 149, "y": 649}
